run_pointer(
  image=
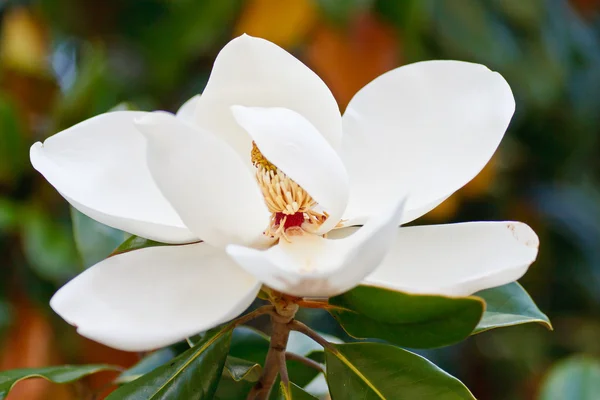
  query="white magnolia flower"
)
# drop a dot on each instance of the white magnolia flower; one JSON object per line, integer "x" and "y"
{"x": 266, "y": 172}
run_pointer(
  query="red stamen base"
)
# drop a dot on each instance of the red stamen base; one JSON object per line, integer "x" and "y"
{"x": 291, "y": 220}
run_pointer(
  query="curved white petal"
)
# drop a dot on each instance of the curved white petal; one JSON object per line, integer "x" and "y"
{"x": 312, "y": 266}
{"x": 251, "y": 71}
{"x": 205, "y": 180}
{"x": 290, "y": 142}
{"x": 425, "y": 129}
{"x": 154, "y": 297}
{"x": 187, "y": 111}
{"x": 99, "y": 166}
{"x": 455, "y": 259}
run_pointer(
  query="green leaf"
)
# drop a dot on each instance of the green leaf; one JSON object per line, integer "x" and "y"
{"x": 94, "y": 241}
{"x": 300, "y": 373}
{"x": 295, "y": 392}
{"x": 136, "y": 243}
{"x": 249, "y": 344}
{"x": 193, "y": 375}
{"x": 229, "y": 389}
{"x": 574, "y": 378}
{"x": 148, "y": 364}
{"x": 242, "y": 370}
{"x": 48, "y": 245}
{"x": 57, "y": 374}
{"x": 409, "y": 320}
{"x": 376, "y": 371}
{"x": 238, "y": 378}
{"x": 317, "y": 355}
{"x": 509, "y": 305}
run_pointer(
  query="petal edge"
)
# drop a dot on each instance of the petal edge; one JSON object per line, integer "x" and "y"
{"x": 99, "y": 166}
{"x": 154, "y": 297}
{"x": 457, "y": 259}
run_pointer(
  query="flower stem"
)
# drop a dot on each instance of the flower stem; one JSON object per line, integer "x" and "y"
{"x": 283, "y": 372}
{"x": 275, "y": 361}
{"x": 282, "y": 311}
{"x": 313, "y": 304}
{"x": 300, "y": 327}
{"x": 251, "y": 315}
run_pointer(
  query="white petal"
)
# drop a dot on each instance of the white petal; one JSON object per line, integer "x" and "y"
{"x": 456, "y": 259}
{"x": 255, "y": 72}
{"x": 425, "y": 129}
{"x": 99, "y": 166}
{"x": 187, "y": 111}
{"x": 205, "y": 180}
{"x": 312, "y": 266}
{"x": 290, "y": 142}
{"x": 154, "y": 297}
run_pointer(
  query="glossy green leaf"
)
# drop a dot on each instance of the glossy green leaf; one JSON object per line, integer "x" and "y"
{"x": 317, "y": 355}
{"x": 149, "y": 363}
{"x": 94, "y": 241}
{"x": 58, "y": 374}
{"x": 229, "y": 389}
{"x": 247, "y": 344}
{"x": 193, "y": 375}
{"x": 574, "y": 378}
{"x": 238, "y": 378}
{"x": 238, "y": 370}
{"x": 409, "y": 320}
{"x": 509, "y": 305}
{"x": 294, "y": 392}
{"x": 300, "y": 373}
{"x": 135, "y": 243}
{"x": 376, "y": 371}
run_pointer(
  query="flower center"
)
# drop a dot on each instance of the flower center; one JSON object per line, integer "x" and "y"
{"x": 292, "y": 208}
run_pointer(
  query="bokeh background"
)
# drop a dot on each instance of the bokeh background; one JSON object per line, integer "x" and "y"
{"x": 62, "y": 61}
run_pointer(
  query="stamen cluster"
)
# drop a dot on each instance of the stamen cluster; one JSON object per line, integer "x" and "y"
{"x": 291, "y": 206}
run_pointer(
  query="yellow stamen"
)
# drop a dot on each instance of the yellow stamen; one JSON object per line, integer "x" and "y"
{"x": 284, "y": 198}
{"x": 281, "y": 193}
{"x": 258, "y": 160}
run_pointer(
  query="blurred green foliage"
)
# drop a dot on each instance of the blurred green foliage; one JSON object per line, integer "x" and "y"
{"x": 65, "y": 60}
{"x": 577, "y": 377}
